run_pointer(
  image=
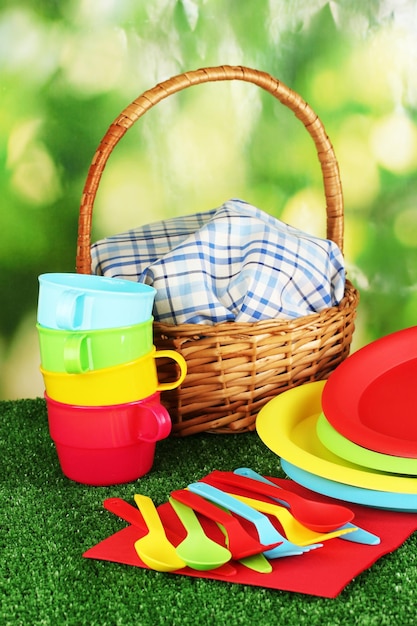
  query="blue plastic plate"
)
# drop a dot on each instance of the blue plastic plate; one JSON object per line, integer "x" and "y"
{"x": 405, "y": 502}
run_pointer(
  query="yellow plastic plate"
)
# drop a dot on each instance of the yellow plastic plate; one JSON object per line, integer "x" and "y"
{"x": 287, "y": 426}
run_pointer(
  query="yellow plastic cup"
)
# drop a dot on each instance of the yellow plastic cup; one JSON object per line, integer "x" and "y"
{"x": 124, "y": 383}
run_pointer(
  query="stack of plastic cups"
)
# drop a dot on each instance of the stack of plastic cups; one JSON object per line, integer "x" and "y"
{"x": 98, "y": 364}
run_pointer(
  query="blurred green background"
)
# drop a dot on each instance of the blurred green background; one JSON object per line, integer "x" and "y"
{"x": 68, "y": 67}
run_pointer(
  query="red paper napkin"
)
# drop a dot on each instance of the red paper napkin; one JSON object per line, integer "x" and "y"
{"x": 323, "y": 572}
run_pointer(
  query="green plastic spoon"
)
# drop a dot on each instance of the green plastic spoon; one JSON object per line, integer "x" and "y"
{"x": 197, "y": 550}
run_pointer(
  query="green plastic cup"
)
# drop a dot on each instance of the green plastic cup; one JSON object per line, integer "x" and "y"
{"x": 77, "y": 352}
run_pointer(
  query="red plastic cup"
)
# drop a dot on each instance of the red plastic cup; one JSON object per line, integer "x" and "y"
{"x": 107, "y": 445}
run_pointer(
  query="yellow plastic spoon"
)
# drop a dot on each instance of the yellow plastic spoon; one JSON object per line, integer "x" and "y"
{"x": 294, "y": 531}
{"x": 154, "y": 549}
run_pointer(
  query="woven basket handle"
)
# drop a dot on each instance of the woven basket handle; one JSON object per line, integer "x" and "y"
{"x": 126, "y": 119}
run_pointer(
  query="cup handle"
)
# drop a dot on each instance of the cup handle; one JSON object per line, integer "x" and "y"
{"x": 77, "y": 358}
{"x": 179, "y": 359}
{"x": 155, "y": 426}
{"x": 69, "y": 310}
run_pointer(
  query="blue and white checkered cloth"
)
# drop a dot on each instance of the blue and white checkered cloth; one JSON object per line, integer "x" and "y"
{"x": 235, "y": 263}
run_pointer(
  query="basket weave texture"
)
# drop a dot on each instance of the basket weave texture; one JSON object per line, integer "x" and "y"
{"x": 233, "y": 368}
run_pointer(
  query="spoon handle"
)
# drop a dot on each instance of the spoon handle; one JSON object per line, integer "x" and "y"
{"x": 149, "y": 513}
{"x": 201, "y": 505}
{"x": 223, "y": 499}
{"x": 329, "y": 511}
{"x": 266, "y": 489}
{"x": 126, "y": 511}
{"x": 187, "y": 516}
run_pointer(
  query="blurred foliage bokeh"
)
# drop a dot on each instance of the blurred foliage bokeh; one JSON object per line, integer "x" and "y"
{"x": 68, "y": 67}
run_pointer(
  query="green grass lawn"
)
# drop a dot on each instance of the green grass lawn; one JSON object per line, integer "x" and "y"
{"x": 48, "y": 521}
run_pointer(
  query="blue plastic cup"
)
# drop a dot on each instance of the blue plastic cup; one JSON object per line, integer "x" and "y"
{"x": 89, "y": 302}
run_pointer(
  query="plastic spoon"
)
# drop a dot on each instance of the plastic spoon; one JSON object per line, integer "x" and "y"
{"x": 244, "y": 548}
{"x": 266, "y": 531}
{"x": 239, "y": 542}
{"x": 197, "y": 550}
{"x": 294, "y": 531}
{"x": 318, "y": 516}
{"x": 359, "y": 535}
{"x": 154, "y": 549}
{"x": 131, "y": 514}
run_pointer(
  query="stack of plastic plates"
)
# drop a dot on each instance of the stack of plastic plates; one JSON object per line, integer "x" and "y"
{"x": 353, "y": 437}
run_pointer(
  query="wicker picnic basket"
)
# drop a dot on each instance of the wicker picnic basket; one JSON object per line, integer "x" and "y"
{"x": 235, "y": 368}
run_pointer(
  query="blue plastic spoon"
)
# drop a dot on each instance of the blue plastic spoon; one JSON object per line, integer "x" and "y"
{"x": 266, "y": 531}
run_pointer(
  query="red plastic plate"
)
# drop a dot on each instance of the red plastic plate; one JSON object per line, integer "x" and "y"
{"x": 371, "y": 398}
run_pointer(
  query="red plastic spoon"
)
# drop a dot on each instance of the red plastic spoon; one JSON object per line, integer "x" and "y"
{"x": 317, "y": 516}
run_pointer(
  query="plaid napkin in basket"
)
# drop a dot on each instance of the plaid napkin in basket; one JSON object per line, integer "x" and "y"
{"x": 235, "y": 263}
